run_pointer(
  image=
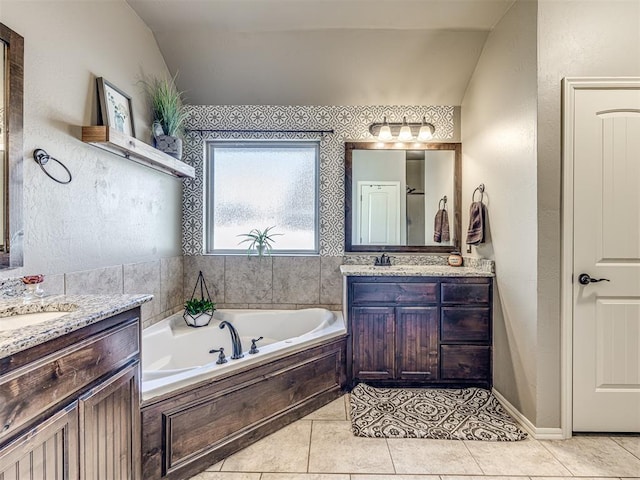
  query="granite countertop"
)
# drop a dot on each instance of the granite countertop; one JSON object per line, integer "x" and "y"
{"x": 83, "y": 310}
{"x": 413, "y": 271}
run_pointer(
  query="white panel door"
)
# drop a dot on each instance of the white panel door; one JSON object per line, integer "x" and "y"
{"x": 379, "y": 213}
{"x": 606, "y": 245}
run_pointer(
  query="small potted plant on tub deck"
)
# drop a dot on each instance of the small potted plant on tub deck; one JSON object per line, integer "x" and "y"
{"x": 260, "y": 241}
{"x": 199, "y": 310}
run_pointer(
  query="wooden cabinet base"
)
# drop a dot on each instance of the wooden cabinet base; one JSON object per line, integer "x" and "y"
{"x": 186, "y": 432}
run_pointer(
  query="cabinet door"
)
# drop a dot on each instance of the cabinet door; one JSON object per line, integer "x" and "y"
{"x": 372, "y": 334}
{"x": 110, "y": 428}
{"x": 49, "y": 451}
{"x": 417, "y": 343}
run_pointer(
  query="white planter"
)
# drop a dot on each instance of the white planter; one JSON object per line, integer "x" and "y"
{"x": 199, "y": 320}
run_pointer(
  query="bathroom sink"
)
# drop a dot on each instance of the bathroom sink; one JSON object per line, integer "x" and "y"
{"x": 27, "y": 319}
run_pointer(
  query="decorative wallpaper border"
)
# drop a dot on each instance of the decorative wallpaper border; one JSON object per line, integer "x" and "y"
{"x": 350, "y": 123}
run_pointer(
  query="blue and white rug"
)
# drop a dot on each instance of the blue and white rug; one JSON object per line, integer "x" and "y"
{"x": 437, "y": 413}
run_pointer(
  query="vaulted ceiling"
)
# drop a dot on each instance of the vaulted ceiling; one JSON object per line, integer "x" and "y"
{"x": 322, "y": 52}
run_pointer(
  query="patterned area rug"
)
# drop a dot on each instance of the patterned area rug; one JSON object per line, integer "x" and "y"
{"x": 438, "y": 413}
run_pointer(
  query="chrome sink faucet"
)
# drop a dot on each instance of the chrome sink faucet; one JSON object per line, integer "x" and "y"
{"x": 235, "y": 340}
{"x": 383, "y": 260}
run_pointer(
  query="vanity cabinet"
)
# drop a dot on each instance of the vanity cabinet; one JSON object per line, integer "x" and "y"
{"x": 70, "y": 408}
{"x": 420, "y": 330}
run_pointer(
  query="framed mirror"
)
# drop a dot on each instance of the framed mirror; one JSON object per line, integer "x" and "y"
{"x": 395, "y": 195}
{"x": 11, "y": 117}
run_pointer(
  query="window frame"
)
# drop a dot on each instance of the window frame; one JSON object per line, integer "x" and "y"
{"x": 209, "y": 174}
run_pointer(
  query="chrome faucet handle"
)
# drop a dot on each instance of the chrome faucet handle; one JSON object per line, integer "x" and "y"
{"x": 254, "y": 348}
{"x": 221, "y": 358}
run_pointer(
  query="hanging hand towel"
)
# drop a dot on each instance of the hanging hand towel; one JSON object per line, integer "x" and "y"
{"x": 475, "y": 234}
{"x": 441, "y": 226}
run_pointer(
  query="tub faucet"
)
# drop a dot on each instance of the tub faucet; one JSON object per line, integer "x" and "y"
{"x": 235, "y": 340}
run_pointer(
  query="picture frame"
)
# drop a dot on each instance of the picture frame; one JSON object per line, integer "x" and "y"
{"x": 115, "y": 107}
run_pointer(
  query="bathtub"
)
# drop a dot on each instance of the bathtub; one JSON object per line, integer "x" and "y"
{"x": 175, "y": 355}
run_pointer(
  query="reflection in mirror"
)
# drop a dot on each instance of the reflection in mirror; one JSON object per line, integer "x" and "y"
{"x": 402, "y": 199}
{"x": 11, "y": 106}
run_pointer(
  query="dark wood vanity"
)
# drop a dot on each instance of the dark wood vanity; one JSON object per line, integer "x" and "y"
{"x": 420, "y": 330}
{"x": 70, "y": 407}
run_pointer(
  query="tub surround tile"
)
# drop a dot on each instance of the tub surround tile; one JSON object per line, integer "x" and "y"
{"x": 212, "y": 268}
{"x": 631, "y": 444}
{"x": 334, "y": 308}
{"x": 296, "y": 280}
{"x": 272, "y": 306}
{"x": 248, "y": 279}
{"x": 144, "y": 278}
{"x": 232, "y": 305}
{"x": 100, "y": 281}
{"x": 283, "y": 451}
{"x": 334, "y": 449}
{"x": 594, "y": 456}
{"x": 526, "y": 457}
{"x": 331, "y": 411}
{"x": 83, "y": 310}
{"x": 421, "y": 456}
{"x": 171, "y": 280}
{"x": 330, "y": 280}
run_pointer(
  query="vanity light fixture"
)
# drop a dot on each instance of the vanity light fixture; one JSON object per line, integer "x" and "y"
{"x": 384, "y": 135}
{"x": 405, "y": 132}
{"x": 426, "y": 131}
{"x": 402, "y": 131}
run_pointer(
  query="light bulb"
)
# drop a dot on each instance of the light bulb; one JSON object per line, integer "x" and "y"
{"x": 384, "y": 135}
{"x": 405, "y": 132}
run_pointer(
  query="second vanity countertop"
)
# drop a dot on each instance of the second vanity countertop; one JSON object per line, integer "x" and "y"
{"x": 413, "y": 271}
{"x": 82, "y": 310}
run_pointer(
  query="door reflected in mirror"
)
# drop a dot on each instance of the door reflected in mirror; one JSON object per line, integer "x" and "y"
{"x": 11, "y": 153}
{"x": 402, "y": 199}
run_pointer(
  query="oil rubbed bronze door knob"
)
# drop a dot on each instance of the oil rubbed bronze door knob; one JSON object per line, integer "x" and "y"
{"x": 585, "y": 279}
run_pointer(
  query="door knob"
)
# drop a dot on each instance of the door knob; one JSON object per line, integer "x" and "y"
{"x": 585, "y": 279}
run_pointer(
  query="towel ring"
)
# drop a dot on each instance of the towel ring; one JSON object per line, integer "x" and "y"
{"x": 479, "y": 188}
{"x": 442, "y": 203}
{"x": 42, "y": 158}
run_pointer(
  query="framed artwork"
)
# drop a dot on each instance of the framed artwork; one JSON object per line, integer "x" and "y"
{"x": 115, "y": 107}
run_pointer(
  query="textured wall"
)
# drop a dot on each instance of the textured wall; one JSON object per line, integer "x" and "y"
{"x": 499, "y": 150}
{"x": 114, "y": 211}
{"x": 578, "y": 38}
{"x": 348, "y": 123}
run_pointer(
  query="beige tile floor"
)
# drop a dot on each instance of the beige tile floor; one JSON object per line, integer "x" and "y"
{"x": 321, "y": 447}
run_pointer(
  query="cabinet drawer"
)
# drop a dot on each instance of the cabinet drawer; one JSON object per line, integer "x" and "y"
{"x": 394, "y": 292}
{"x": 465, "y": 292}
{"x": 460, "y": 324}
{"x": 53, "y": 378}
{"x": 465, "y": 362}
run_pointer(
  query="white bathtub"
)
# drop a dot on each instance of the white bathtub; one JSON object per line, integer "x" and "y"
{"x": 175, "y": 355}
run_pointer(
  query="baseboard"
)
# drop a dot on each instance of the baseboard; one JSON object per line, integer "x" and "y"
{"x": 531, "y": 429}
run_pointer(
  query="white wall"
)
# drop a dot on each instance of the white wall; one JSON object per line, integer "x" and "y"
{"x": 577, "y": 38}
{"x": 438, "y": 172}
{"x": 499, "y": 150}
{"x": 114, "y": 211}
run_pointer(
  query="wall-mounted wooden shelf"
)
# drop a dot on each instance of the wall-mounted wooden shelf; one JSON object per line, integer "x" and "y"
{"x": 123, "y": 145}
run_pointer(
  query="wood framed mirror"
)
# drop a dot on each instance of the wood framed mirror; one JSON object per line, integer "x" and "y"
{"x": 393, "y": 193}
{"x": 11, "y": 147}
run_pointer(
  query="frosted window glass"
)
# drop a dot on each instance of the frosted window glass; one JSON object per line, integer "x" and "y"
{"x": 262, "y": 185}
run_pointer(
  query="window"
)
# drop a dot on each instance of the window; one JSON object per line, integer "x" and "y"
{"x": 258, "y": 185}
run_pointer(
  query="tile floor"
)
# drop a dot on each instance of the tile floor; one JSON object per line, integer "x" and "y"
{"x": 321, "y": 447}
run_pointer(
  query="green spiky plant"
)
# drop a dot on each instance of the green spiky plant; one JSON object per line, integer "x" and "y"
{"x": 199, "y": 305}
{"x": 261, "y": 241}
{"x": 167, "y": 104}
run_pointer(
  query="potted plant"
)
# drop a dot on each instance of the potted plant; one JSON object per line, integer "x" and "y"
{"x": 260, "y": 241}
{"x": 169, "y": 114}
{"x": 199, "y": 310}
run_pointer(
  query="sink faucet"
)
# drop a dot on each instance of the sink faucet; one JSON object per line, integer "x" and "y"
{"x": 383, "y": 260}
{"x": 235, "y": 340}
